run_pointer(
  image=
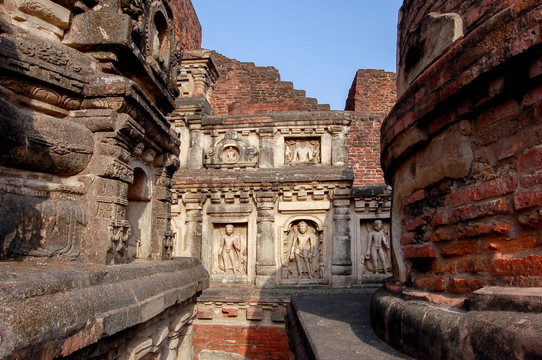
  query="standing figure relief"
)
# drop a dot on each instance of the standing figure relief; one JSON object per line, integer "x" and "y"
{"x": 378, "y": 248}
{"x": 231, "y": 258}
{"x": 303, "y": 250}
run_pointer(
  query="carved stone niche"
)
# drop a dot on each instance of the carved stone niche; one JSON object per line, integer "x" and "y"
{"x": 229, "y": 249}
{"x": 375, "y": 247}
{"x": 302, "y": 254}
{"x": 232, "y": 152}
{"x": 302, "y": 151}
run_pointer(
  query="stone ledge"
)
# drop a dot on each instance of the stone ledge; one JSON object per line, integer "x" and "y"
{"x": 494, "y": 298}
{"x": 425, "y": 330}
{"x": 47, "y": 307}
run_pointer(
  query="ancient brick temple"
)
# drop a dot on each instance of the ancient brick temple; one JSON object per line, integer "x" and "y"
{"x": 265, "y": 197}
{"x": 104, "y": 250}
{"x": 461, "y": 149}
{"x": 163, "y": 201}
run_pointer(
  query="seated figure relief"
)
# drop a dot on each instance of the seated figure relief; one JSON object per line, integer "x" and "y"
{"x": 301, "y": 151}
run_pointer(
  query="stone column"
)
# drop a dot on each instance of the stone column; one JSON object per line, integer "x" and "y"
{"x": 194, "y": 217}
{"x": 339, "y": 147}
{"x": 341, "y": 262}
{"x": 195, "y": 152}
{"x": 265, "y": 241}
{"x": 266, "y": 156}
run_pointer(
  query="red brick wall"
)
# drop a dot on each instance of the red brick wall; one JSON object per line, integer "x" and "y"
{"x": 187, "y": 26}
{"x": 463, "y": 150}
{"x": 372, "y": 92}
{"x": 253, "y": 342}
{"x": 372, "y": 95}
{"x": 244, "y": 88}
{"x": 364, "y": 150}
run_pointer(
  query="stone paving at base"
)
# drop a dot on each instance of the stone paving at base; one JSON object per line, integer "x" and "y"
{"x": 338, "y": 326}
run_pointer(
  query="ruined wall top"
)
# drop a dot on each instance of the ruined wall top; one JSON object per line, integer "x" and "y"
{"x": 244, "y": 88}
{"x": 372, "y": 92}
{"x": 187, "y": 25}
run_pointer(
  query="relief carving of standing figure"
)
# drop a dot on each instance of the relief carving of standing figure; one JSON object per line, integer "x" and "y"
{"x": 303, "y": 250}
{"x": 378, "y": 248}
{"x": 229, "y": 253}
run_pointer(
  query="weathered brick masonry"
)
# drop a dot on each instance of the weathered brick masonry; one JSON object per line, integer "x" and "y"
{"x": 462, "y": 148}
{"x": 253, "y": 342}
{"x": 187, "y": 26}
{"x": 372, "y": 95}
{"x": 244, "y": 88}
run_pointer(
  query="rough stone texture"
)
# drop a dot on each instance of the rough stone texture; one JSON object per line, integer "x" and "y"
{"x": 57, "y": 309}
{"x": 423, "y": 329}
{"x": 244, "y": 88}
{"x": 86, "y": 166}
{"x": 461, "y": 147}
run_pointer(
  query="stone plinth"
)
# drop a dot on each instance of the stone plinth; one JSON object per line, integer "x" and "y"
{"x": 59, "y": 309}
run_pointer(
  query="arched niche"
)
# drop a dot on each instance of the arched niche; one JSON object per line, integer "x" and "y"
{"x": 139, "y": 213}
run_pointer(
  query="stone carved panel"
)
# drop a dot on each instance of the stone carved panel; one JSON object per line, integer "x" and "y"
{"x": 375, "y": 247}
{"x": 39, "y": 227}
{"x": 230, "y": 249}
{"x": 119, "y": 232}
{"x": 302, "y": 256}
{"x": 232, "y": 151}
{"x": 301, "y": 151}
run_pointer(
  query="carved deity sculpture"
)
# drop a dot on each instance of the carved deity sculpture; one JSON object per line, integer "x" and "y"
{"x": 230, "y": 256}
{"x": 377, "y": 249}
{"x": 302, "y": 151}
{"x": 304, "y": 249}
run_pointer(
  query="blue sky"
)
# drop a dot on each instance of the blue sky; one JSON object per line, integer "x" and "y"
{"x": 317, "y": 44}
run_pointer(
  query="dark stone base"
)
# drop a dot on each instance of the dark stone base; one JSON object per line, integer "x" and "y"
{"x": 425, "y": 330}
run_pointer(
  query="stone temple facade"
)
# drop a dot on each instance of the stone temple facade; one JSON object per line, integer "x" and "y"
{"x": 265, "y": 198}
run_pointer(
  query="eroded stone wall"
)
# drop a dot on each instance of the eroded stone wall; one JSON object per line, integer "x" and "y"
{"x": 86, "y": 166}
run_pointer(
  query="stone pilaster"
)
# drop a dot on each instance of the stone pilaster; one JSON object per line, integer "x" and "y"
{"x": 194, "y": 217}
{"x": 265, "y": 241}
{"x": 195, "y": 152}
{"x": 341, "y": 263}
{"x": 339, "y": 147}
{"x": 266, "y": 156}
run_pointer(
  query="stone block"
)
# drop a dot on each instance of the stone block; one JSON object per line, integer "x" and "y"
{"x": 254, "y": 314}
